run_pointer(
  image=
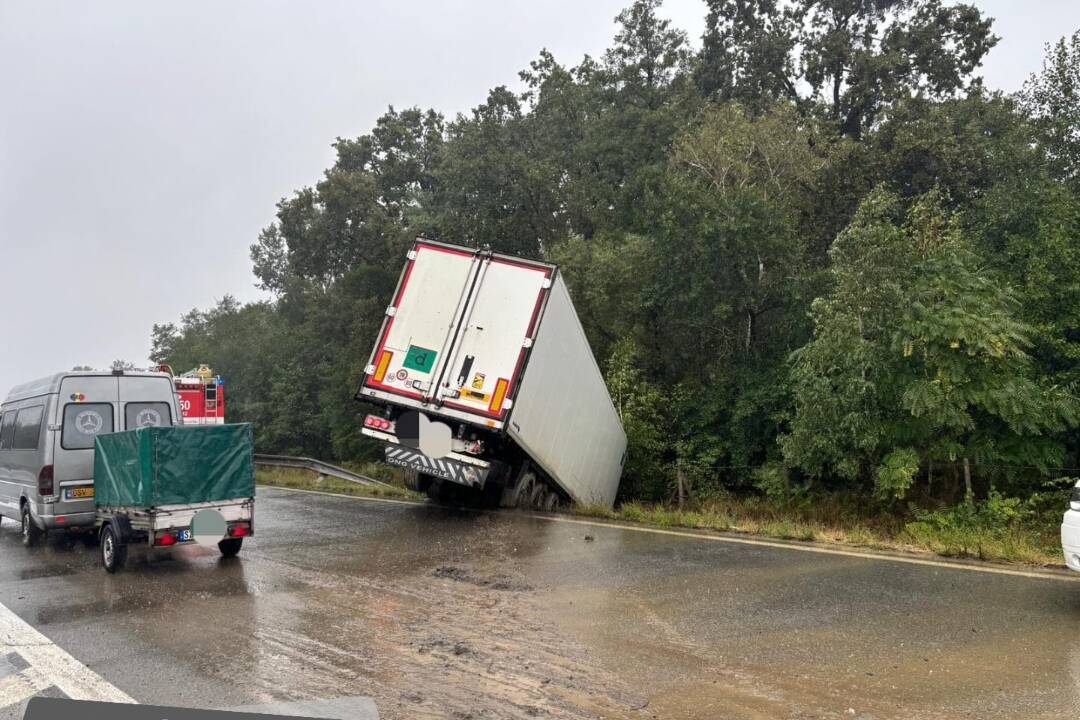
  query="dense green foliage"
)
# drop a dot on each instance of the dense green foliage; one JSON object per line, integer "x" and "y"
{"x": 818, "y": 253}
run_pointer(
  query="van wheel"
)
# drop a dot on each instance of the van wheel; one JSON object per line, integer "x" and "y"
{"x": 31, "y": 533}
{"x": 113, "y": 551}
{"x": 229, "y": 548}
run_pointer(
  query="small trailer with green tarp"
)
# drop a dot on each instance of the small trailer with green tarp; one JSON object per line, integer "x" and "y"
{"x": 165, "y": 486}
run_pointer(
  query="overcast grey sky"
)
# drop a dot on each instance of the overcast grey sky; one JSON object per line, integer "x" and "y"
{"x": 144, "y": 145}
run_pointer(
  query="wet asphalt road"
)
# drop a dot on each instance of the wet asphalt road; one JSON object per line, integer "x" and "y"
{"x": 443, "y": 614}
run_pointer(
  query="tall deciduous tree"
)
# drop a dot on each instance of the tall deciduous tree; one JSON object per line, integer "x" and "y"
{"x": 854, "y": 57}
{"x": 1052, "y": 99}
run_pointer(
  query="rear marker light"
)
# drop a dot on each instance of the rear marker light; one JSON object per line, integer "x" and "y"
{"x": 499, "y": 395}
{"x": 377, "y": 423}
{"x": 238, "y": 531}
{"x": 384, "y": 363}
{"x": 165, "y": 540}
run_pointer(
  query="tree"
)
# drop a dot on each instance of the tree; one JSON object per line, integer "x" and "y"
{"x": 918, "y": 352}
{"x": 855, "y": 57}
{"x": 748, "y": 52}
{"x": 1052, "y": 99}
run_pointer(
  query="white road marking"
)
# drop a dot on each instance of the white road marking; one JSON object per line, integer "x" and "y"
{"x": 1064, "y": 576}
{"x": 49, "y": 665}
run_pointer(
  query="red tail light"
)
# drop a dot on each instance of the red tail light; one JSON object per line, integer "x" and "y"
{"x": 377, "y": 423}
{"x": 238, "y": 531}
{"x": 45, "y": 481}
{"x": 165, "y": 539}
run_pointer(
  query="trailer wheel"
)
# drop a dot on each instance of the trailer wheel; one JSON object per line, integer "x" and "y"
{"x": 551, "y": 501}
{"x": 113, "y": 550}
{"x": 31, "y": 533}
{"x": 524, "y": 491}
{"x": 538, "y": 495}
{"x": 231, "y": 547}
{"x": 416, "y": 481}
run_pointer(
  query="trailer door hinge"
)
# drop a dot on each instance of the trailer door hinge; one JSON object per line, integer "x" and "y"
{"x": 507, "y": 404}
{"x": 369, "y": 370}
{"x": 526, "y": 343}
{"x": 411, "y": 255}
{"x": 546, "y": 284}
{"x": 391, "y": 311}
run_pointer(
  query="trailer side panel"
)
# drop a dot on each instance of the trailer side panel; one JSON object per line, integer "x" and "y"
{"x": 563, "y": 416}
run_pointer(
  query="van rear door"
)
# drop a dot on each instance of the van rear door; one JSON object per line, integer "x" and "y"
{"x": 87, "y": 406}
{"x": 146, "y": 401}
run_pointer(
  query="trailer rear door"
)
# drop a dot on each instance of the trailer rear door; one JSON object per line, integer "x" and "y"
{"x": 457, "y": 334}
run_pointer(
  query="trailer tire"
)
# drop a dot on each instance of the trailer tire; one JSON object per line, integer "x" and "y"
{"x": 31, "y": 533}
{"x": 113, "y": 549}
{"x": 231, "y": 547}
{"x": 416, "y": 481}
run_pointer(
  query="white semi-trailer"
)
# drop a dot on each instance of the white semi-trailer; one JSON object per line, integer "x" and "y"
{"x": 488, "y": 384}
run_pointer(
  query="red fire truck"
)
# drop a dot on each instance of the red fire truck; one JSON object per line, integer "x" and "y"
{"x": 202, "y": 397}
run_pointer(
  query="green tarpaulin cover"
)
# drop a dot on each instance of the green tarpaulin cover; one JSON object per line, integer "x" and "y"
{"x": 155, "y": 466}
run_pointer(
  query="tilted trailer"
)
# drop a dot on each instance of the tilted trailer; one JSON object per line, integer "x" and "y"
{"x": 490, "y": 347}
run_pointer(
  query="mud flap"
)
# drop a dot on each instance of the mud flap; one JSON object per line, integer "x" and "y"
{"x": 442, "y": 468}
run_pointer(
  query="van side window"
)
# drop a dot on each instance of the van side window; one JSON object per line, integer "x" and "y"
{"x": 28, "y": 428}
{"x": 146, "y": 414}
{"x": 83, "y": 422}
{"x": 7, "y": 430}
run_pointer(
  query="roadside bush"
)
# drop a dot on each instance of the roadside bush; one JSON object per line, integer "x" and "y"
{"x": 968, "y": 528}
{"x": 896, "y": 474}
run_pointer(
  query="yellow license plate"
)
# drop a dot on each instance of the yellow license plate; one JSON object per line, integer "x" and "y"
{"x": 79, "y": 493}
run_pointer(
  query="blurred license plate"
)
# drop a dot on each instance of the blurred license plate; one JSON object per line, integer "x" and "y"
{"x": 183, "y": 535}
{"x": 79, "y": 493}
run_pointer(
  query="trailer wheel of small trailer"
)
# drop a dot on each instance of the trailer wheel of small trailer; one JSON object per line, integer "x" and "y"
{"x": 31, "y": 533}
{"x": 113, "y": 549}
{"x": 230, "y": 548}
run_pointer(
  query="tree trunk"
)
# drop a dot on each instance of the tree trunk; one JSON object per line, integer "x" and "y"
{"x": 681, "y": 479}
{"x": 969, "y": 495}
{"x": 930, "y": 479}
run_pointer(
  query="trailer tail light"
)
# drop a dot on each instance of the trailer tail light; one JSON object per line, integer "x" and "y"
{"x": 239, "y": 531}
{"x": 45, "y": 481}
{"x": 499, "y": 395}
{"x": 384, "y": 363}
{"x": 165, "y": 540}
{"x": 377, "y": 423}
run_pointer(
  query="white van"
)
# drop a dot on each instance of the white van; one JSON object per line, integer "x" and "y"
{"x": 47, "y": 430}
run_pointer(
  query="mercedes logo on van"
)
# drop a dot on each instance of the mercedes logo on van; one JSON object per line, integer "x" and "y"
{"x": 89, "y": 422}
{"x": 148, "y": 418}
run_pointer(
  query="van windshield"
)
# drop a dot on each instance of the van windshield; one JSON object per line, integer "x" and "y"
{"x": 146, "y": 414}
{"x": 83, "y": 422}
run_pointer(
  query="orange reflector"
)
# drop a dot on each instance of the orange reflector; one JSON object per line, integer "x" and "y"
{"x": 384, "y": 362}
{"x": 498, "y": 396}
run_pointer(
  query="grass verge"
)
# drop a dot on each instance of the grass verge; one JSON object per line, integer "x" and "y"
{"x": 846, "y": 521}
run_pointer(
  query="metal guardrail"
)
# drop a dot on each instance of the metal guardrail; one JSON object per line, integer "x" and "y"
{"x": 323, "y": 468}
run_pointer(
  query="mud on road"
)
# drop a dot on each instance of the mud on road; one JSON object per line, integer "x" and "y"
{"x": 444, "y": 614}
